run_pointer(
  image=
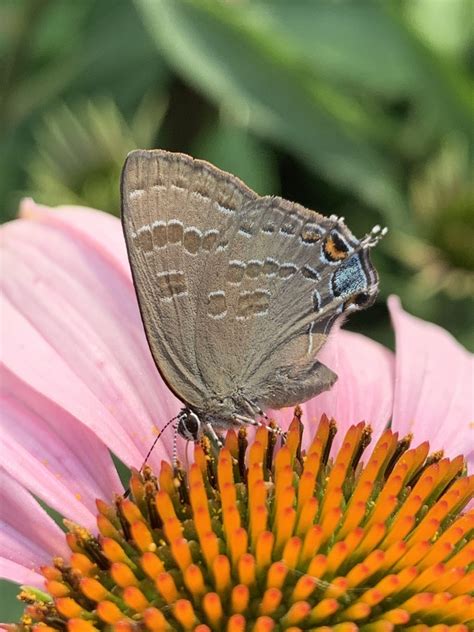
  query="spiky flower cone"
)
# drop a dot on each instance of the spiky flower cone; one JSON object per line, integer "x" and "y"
{"x": 263, "y": 538}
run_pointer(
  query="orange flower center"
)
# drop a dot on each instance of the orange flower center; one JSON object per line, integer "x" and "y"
{"x": 268, "y": 538}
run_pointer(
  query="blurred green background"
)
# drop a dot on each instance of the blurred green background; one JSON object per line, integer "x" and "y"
{"x": 364, "y": 109}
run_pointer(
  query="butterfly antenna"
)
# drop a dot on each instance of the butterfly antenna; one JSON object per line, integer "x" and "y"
{"x": 372, "y": 239}
{"x": 127, "y": 491}
{"x": 175, "y": 445}
{"x": 156, "y": 439}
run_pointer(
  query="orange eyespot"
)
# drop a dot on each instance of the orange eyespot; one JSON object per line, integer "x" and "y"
{"x": 334, "y": 248}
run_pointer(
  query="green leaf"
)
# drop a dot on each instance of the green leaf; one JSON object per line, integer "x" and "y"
{"x": 234, "y": 149}
{"x": 10, "y": 608}
{"x": 237, "y": 63}
{"x": 348, "y": 43}
{"x": 371, "y": 47}
{"x": 80, "y": 151}
{"x": 73, "y": 50}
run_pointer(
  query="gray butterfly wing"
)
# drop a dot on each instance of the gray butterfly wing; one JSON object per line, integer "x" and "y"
{"x": 174, "y": 210}
{"x": 280, "y": 277}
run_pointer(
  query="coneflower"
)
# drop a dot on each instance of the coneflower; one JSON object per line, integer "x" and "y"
{"x": 312, "y": 534}
{"x": 262, "y": 538}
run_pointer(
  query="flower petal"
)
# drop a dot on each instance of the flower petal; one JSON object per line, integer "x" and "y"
{"x": 101, "y": 230}
{"x": 364, "y": 389}
{"x": 28, "y": 536}
{"x": 14, "y": 572}
{"x": 80, "y": 339}
{"x": 433, "y": 385}
{"x": 53, "y": 455}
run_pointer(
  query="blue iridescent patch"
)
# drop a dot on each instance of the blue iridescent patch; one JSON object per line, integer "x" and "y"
{"x": 349, "y": 278}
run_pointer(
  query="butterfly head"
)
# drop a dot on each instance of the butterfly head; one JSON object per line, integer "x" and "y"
{"x": 189, "y": 425}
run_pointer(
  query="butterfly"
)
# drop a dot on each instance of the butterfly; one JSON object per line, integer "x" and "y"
{"x": 237, "y": 292}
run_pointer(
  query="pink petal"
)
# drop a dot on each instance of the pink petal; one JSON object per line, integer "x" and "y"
{"x": 53, "y": 455}
{"x": 434, "y": 382}
{"x": 98, "y": 229}
{"x": 363, "y": 391}
{"x": 75, "y": 334}
{"x": 28, "y": 536}
{"x": 19, "y": 574}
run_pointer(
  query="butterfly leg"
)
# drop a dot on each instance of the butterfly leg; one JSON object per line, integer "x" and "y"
{"x": 253, "y": 408}
{"x": 248, "y": 421}
{"x": 213, "y": 435}
{"x": 259, "y": 424}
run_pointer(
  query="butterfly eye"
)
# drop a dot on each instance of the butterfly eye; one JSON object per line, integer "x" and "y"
{"x": 189, "y": 425}
{"x": 193, "y": 425}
